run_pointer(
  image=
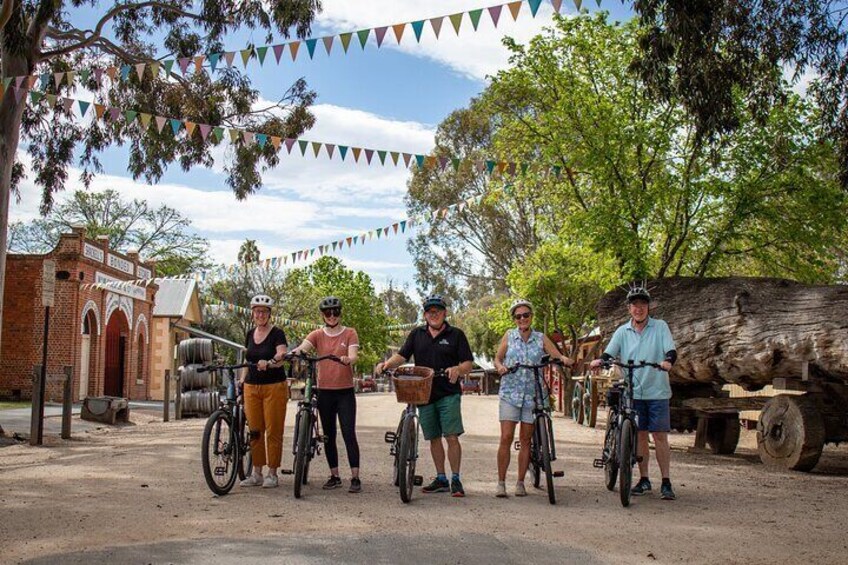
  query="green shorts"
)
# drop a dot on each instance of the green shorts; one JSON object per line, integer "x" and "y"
{"x": 442, "y": 417}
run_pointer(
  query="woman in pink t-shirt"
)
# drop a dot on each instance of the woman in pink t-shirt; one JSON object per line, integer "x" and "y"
{"x": 336, "y": 398}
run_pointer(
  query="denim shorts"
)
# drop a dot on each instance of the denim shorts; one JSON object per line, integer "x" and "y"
{"x": 509, "y": 413}
{"x": 654, "y": 415}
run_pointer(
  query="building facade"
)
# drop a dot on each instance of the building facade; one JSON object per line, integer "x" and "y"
{"x": 177, "y": 304}
{"x": 103, "y": 333}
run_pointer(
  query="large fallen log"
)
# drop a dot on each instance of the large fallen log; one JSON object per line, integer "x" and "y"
{"x": 745, "y": 331}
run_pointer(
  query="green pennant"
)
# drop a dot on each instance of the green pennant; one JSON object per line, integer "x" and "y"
{"x": 379, "y": 231}
{"x": 316, "y": 147}
{"x": 261, "y": 52}
{"x": 84, "y": 74}
{"x": 218, "y": 132}
{"x": 245, "y": 55}
{"x": 474, "y": 15}
{"x": 382, "y": 156}
{"x": 343, "y": 151}
{"x": 303, "y": 145}
{"x": 395, "y": 156}
{"x": 168, "y": 64}
{"x": 456, "y": 162}
{"x": 418, "y": 28}
{"x": 35, "y": 96}
{"x": 456, "y": 21}
{"x": 524, "y": 167}
{"x": 363, "y": 36}
{"x": 130, "y": 115}
{"x": 557, "y": 170}
{"x": 51, "y": 99}
{"x": 345, "y": 38}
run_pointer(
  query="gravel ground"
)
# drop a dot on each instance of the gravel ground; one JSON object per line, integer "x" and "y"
{"x": 136, "y": 494}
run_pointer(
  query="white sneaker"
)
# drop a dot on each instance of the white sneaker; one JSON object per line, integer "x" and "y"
{"x": 253, "y": 480}
{"x": 519, "y": 489}
{"x": 270, "y": 481}
{"x": 500, "y": 492}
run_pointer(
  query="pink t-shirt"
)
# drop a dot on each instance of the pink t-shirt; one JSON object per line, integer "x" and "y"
{"x": 332, "y": 375}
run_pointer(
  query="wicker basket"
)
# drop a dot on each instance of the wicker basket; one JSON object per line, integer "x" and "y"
{"x": 413, "y": 384}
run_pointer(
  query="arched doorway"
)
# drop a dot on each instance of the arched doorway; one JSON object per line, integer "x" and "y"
{"x": 88, "y": 348}
{"x": 115, "y": 369}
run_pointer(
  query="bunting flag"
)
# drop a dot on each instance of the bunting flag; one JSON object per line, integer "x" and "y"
{"x": 211, "y": 62}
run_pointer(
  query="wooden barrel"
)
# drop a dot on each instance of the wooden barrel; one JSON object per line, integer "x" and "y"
{"x": 194, "y": 380}
{"x": 200, "y": 403}
{"x": 195, "y": 351}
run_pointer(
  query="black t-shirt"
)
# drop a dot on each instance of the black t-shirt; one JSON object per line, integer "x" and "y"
{"x": 265, "y": 351}
{"x": 448, "y": 349}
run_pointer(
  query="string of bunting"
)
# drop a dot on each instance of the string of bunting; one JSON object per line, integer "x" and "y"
{"x": 212, "y": 61}
{"x": 318, "y": 148}
{"x": 278, "y": 320}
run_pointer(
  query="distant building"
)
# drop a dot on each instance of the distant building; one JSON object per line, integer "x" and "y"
{"x": 104, "y": 334}
{"x": 177, "y": 302}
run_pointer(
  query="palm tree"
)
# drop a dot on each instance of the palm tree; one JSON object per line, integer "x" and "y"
{"x": 248, "y": 252}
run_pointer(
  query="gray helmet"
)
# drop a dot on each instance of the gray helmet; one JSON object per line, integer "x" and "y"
{"x": 518, "y": 303}
{"x": 261, "y": 300}
{"x": 329, "y": 302}
{"x": 434, "y": 300}
{"x": 638, "y": 293}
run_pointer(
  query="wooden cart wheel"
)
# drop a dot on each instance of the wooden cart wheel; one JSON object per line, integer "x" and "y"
{"x": 577, "y": 403}
{"x": 790, "y": 433}
{"x": 723, "y": 434}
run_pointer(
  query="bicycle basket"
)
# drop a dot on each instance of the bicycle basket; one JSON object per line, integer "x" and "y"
{"x": 413, "y": 384}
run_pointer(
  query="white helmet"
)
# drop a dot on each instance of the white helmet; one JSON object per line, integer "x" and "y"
{"x": 519, "y": 302}
{"x": 261, "y": 300}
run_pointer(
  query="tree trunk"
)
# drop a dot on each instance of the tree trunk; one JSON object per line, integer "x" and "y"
{"x": 745, "y": 331}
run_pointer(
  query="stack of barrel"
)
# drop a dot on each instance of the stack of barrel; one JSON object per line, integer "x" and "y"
{"x": 199, "y": 394}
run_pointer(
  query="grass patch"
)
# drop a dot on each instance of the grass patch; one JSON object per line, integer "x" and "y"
{"x": 8, "y": 405}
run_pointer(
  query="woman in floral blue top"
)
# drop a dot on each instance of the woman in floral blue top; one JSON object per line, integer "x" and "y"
{"x": 517, "y": 392}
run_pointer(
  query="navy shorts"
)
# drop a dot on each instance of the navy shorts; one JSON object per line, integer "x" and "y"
{"x": 654, "y": 415}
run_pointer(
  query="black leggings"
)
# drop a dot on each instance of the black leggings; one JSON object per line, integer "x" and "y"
{"x": 341, "y": 403}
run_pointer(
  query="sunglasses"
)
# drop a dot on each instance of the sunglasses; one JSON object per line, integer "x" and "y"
{"x": 433, "y": 311}
{"x": 522, "y": 316}
{"x": 332, "y": 312}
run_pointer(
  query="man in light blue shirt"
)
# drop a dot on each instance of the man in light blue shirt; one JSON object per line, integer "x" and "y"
{"x": 647, "y": 339}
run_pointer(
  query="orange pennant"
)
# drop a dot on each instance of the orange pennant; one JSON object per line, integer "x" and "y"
{"x": 398, "y": 29}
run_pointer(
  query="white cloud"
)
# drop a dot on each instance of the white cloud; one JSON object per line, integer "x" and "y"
{"x": 472, "y": 54}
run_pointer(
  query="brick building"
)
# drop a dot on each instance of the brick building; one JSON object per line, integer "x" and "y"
{"x": 104, "y": 334}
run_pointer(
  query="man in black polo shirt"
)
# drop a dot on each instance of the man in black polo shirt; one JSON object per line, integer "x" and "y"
{"x": 440, "y": 346}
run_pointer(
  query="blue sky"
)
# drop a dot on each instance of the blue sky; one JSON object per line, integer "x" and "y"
{"x": 389, "y": 98}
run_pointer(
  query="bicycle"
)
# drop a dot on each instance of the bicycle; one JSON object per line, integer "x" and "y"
{"x": 226, "y": 450}
{"x": 307, "y": 438}
{"x": 412, "y": 386}
{"x": 542, "y": 444}
{"x": 621, "y": 440}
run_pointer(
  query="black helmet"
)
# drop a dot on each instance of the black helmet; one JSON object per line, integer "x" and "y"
{"x": 329, "y": 302}
{"x": 638, "y": 293}
{"x": 434, "y": 300}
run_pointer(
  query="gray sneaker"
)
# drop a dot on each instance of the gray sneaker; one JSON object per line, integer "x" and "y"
{"x": 252, "y": 481}
{"x": 642, "y": 487}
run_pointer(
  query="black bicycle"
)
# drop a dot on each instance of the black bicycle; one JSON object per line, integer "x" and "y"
{"x": 620, "y": 441}
{"x": 412, "y": 386}
{"x": 542, "y": 444}
{"x": 226, "y": 449}
{"x": 307, "y": 438}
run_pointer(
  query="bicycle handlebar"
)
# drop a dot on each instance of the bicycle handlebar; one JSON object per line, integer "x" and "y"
{"x": 517, "y": 366}
{"x": 630, "y": 364}
{"x": 441, "y": 373}
{"x": 207, "y": 368}
{"x": 308, "y": 359}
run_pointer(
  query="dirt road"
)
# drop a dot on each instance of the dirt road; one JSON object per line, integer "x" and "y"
{"x": 136, "y": 494}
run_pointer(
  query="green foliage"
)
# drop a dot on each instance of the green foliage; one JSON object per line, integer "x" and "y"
{"x": 158, "y": 234}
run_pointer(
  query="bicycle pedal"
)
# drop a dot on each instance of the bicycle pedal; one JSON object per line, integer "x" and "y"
{"x": 559, "y": 473}
{"x": 599, "y": 463}
{"x": 517, "y": 445}
{"x": 390, "y": 437}
{"x": 286, "y": 472}
{"x": 418, "y": 480}
{"x": 220, "y": 471}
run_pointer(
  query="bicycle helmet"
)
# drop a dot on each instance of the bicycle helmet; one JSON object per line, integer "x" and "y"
{"x": 261, "y": 300}
{"x": 434, "y": 300}
{"x": 638, "y": 293}
{"x": 329, "y": 302}
{"x": 517, "y": 303}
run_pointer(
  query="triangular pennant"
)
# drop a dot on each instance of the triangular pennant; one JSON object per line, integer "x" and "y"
{"x": 83, "y": 107}
{"x": 418, "y": 28}
{"x": 289, "y": 143}
{"x": 57, "y": 79}
{"x": 524, "y": 167}
{"x": 398, "y": 29}
{"x": 380, "y": 34}
{"x": 276, "y": 140}
{"x": 303, "y": 144}
{"x": 213, "y": 61}
{"x": 510, "y": 169}
{"x": 395, "y": 156}
{"x": 235, "y": 135}
{"x": 495, "y": 13}
{"x": 395, "y": 227}
{"x": 501, "y": 167}
{"x": 534, "y": 6}
{"x": 229, "y": 57}
{"x": 443, "y": 161}
{"x": 260, "y": 54}
{"x": 310, "y": 46}
{"x": 557, "y": 4}
{"x": 514, "y": 8}
{"x": 167, "y": 64}
{"x": 293, "y": 47}
{"x": 363, "y": 36}
{"x": 84, "y": 75}
{"x": 456, "y": 21}
{"x": 278, "y": 51}
{"x": 98, "y": 75}
{"x": 125, "y": 73}
{"x": 67, "y": 103}
{"x": 474, "y": 16}
{"x": 112, "y": 72}
{"x": 403, "y": 226}
{"x": 406, "y": 158}
{"x": 343, "y": 151}
{"x": 189, "y": 126}
{"x": 330, "y": 149}
{"x": 183, "y": 63}
{"x": 455, "y": 162}
{"x": 248, "y": 136}
{"x": 382, "y": 156}
{"x": 356, "y": 153}
{"x": 316, "y": 148}
{"x": 430, "y": 162}
{"x": 145, "y": 120}
{"x": 379, "y": 232}
{"x": 176, "y": 125}
{"x": 345, "y": 39}
{"x": 349, "y": 242}
{"x": 419, "y": 160}
{"x": 51, "y": 99}
{"x": 335, "y": 244}
{"x": 204, "y": 131}
{"x": 36, "y": 97}
{"x": 436, "y": 23}
{"x": 245, "y": 55}
{"x": 261, "y": 139}
{"x": 130, "y": 115}
{"x": 490, "y": 166}
{"x": 369, "y": 153}
{"x": 328, "y": 43}
{"x": 218, "y": 133}
{"x": 45, "y": 80}
{"x": 139, "y": 70}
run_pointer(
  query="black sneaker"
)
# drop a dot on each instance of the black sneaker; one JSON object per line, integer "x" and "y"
{"x": 355, "y": 485}
{"x": 666, "y": 493}
{"x": 642, "y": 487}
{"x": 438, "y": 485}
{"x": 456, "y": 488}
{"x": 332, "y": 482}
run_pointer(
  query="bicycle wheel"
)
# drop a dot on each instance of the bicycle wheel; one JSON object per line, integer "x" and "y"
{"x": 219, "y": 453}
{"x": 611, "y": 453}
{"x": 301, "y": 455}
{"x": 245, "y": 459}
{"x": 625, "y": 461}
{"x": 406, "y": 458}
{"x": 545, "y": 441}
{"x": 398, "y": 434}
{"x": 535, "y": 459}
